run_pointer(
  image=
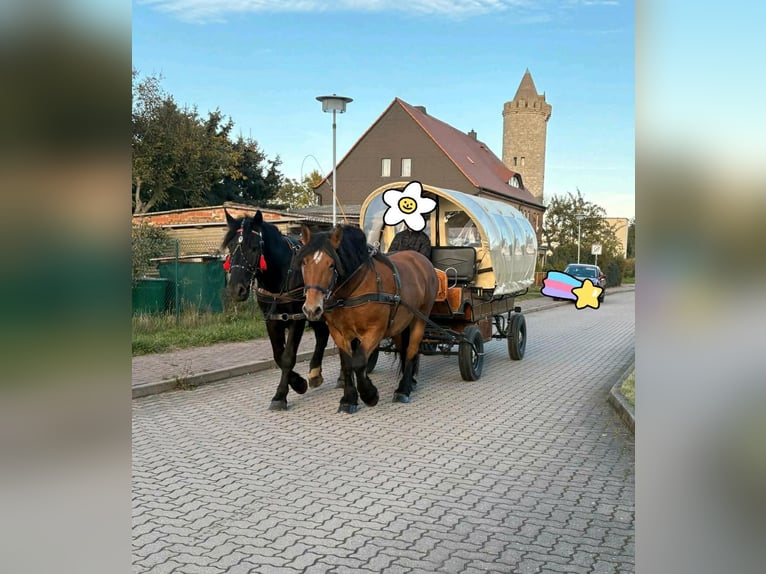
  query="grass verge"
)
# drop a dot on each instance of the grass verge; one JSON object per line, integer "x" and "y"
{"x": 628, "y": 388}
{"x": 240, "y": 322}
{"x": 160, "y": 333}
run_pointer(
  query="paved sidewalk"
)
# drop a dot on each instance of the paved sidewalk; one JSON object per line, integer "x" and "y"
{"x": 162, "y": 372}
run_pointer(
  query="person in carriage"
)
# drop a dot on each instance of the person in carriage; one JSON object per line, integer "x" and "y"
{"x": 412, "y": 240}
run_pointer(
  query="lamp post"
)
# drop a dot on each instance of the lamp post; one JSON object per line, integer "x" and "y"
{"x": 580, "y": 217}
{"x": 334, "y": 104}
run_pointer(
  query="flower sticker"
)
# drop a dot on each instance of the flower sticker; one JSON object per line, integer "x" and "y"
{"x": 407, "y": 205}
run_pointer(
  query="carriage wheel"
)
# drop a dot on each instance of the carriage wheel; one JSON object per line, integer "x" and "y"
{"x": 373, "y": 360}
{"x": 471, "y": 356}
{"x": 517, "y": 337}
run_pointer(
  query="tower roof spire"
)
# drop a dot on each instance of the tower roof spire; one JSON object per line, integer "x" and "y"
{"x": 527, "y": 89}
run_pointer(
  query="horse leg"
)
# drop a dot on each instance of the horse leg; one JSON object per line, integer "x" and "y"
{"x": 321, "y": 336}
{"x": 276, "y": 333}
{"x": 349, "y": 403}
{"x": 411, "y": 338}
{"x": 290, "y": 355}
{"x": 402, "y": 341}
{"x": 367, "y": 390}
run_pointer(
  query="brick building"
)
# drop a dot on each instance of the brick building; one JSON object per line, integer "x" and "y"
{"x": 406, "y": 143}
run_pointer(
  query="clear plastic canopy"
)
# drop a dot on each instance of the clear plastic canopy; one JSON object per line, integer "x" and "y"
{"x": 507, "y": 240}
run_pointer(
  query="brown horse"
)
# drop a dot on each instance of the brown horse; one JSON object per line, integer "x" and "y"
{"x": 363, "y": 299}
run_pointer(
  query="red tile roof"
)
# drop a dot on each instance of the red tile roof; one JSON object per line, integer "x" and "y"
{"x": 471, "y": 156}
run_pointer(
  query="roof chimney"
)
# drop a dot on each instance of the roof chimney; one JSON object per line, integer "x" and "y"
{"x": 472, "y": 134}
{"x": 421, "y": 108}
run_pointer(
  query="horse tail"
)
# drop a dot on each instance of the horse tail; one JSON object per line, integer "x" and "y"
{"x": 405, "y": 342}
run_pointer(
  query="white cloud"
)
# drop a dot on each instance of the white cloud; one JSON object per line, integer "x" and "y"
{"x": 217, "y": 10}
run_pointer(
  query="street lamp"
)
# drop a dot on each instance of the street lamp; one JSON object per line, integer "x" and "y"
{"x": 334, "y": 104}
{"x": 580, "y": 217}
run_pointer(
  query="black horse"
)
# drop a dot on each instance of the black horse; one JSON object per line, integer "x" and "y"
{"x": 259, "y": 252}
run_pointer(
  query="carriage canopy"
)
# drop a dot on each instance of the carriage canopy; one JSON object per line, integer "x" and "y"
{"x": 504, "y": 240}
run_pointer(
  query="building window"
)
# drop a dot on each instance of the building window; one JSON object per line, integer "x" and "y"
{"x": 515, "y": 161}
{"x": 406, "y": 167}
{"x": 385, "y": 170}
{"x": 523, "y": 160}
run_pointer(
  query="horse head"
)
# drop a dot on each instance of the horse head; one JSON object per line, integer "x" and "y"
{"x": 320, "y": 266}
{"x": 244, "y": 241}
{"x": 327, "y": 260}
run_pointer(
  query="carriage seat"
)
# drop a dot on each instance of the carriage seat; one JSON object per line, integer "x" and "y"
{"x": 460, "y": 261}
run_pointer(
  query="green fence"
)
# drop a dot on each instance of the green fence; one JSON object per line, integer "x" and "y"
{"x": 189, "y": 276}
{"x": 197, "y": 282}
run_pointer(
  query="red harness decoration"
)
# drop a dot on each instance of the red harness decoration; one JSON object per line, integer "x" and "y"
{"x": 261, "y": 264}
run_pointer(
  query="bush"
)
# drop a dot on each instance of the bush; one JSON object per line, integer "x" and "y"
{"x": 630, "y": 268}
{"x": 147, "y": 242}
{"x": 614, "y": 272}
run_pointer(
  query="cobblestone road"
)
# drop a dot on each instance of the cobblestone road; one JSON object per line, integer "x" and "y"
{"x": 526, "y": 470}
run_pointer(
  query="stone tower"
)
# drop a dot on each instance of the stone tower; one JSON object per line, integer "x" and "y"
{"x": 525, "y": 121}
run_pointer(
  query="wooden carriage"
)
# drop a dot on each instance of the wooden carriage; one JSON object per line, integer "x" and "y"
{"x": 484, "y": 252}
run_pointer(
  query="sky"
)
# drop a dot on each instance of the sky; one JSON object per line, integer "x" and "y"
{"x": 264, "y": 62}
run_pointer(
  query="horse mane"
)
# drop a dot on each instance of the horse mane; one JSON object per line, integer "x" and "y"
{"x": 230, "y": 233}
{"x": 353, "y": 248}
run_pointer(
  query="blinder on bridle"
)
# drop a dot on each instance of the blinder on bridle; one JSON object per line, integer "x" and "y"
{"x": 250, "y": 268}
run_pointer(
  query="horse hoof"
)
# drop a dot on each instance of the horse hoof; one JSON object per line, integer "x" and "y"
{"x": 315, "y": 382}
{"x": 278, "y": 405}
{"x": 371, "y": 402}
{"x": 298, "y": 384}
{"x": 401, "y": 398}
{"x": 340, "y": 384}
{"x": 350, "y": 409}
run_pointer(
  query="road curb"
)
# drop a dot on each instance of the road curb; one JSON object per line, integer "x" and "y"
{"x": 624, "y": 409}
{"x": 193, "y": 381}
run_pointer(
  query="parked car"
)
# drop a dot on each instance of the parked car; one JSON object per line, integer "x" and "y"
{"x": 584, "y": 271}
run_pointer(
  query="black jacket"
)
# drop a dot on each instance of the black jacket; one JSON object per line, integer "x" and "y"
{"x": 414, "y": 240}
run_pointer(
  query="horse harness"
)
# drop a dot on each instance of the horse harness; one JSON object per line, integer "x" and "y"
{"x": 263, "y": 295}
{"x": 284, "y": 296}
{"x": 378, "y": 297}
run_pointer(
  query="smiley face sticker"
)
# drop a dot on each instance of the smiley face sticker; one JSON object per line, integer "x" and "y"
{"x": 407, "y": 205}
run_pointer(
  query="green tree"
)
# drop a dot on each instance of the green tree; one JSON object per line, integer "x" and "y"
{"x": 560, "y": 230}
{"x": 177, "y": 155}
{"x": 295, "y": 195}
{"x": 631, "y": 246}
{"x": 181, "y": 159}
{"x": 147, "y": 241}
{"x": 257, "y": 181}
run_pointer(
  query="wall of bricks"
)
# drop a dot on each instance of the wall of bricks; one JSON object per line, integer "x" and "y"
{"x": 203, "y": 215}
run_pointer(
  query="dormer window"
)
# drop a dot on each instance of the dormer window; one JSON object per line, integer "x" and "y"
{"x": 514, "y": 181}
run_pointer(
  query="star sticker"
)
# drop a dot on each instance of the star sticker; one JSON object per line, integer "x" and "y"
{"x": 587, "y": 295}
